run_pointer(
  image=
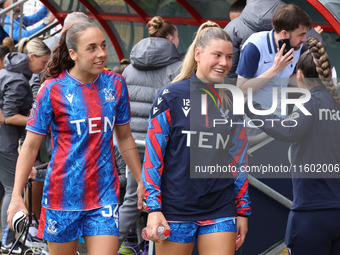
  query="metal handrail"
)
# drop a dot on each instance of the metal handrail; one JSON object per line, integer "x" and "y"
{"x": 41, "y": 32}
{"x": 45, "y": 29}
{"x": 275, "y": 249}
{"x": 10, "y": 8}
{"x": 269, "y": 191}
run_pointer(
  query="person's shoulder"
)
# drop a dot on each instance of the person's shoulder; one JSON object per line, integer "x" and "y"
{"x": 49, "y": 83}
{"x": 258, "y": 37}
{"x": 256, "y": 42}
{"x": 63, "y": 79}
{"x": 111, "y": 74}
{"x": 173, "y": 90}
{"x": 108, "y": 74}
{"x": 168, "y": 95}
{"x": 178, "y": 86}
{"x": 321, "y": 94}
{"x": 232, "y": 24}
{"x": 16, "y": 79}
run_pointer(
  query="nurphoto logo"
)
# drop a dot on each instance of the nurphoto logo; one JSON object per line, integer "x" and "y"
{"x": 238, "y": 104}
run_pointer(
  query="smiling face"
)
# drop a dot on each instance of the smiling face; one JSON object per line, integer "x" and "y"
{"x": 214, "y": 61}
{"x": 90, "y": 57}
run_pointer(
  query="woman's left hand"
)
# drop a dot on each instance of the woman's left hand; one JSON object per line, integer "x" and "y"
{"x": 155, "y": 219}
{"x": 140, "y": 195}
{"x": 242, "y": 229}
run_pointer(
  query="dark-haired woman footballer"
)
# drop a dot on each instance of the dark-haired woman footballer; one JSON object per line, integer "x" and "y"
{"x": 313, "y": 226}
{"x": 82, "y": 104}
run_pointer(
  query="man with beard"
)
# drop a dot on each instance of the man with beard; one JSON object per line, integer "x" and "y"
{"x": 262, "y": 58}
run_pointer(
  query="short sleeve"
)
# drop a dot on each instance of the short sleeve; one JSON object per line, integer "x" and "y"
{"x": 41, "y": 114}
{"x": 249, "y": 61}
{"x": 123, "y": 112}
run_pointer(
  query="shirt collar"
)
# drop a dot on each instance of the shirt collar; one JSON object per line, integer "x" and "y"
{"x": 272, "y": 48}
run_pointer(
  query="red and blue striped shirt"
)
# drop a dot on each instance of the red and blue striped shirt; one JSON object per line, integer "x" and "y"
{"x": 82, "y": 174}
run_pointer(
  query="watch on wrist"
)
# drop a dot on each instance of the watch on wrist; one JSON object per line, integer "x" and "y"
{"x": 46, "y": 22}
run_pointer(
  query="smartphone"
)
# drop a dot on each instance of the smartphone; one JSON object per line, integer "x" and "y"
{"x": 144, "y": 204}
{"x": 287, "y": 48}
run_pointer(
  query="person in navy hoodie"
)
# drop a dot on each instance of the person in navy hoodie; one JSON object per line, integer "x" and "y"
{"x": 313, "y": 224}
{"x": 208, "y": 206}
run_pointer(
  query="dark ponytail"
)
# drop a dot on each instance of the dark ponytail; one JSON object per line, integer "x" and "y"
{"x": 60, "y": 61}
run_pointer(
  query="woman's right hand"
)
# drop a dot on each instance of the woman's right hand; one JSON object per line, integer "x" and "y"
{"x": 33, "y": 173}
{"x": 16, "y": 204}
{"x": 154, "y": 220}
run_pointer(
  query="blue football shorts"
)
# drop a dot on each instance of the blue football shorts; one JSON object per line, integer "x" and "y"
{"x": 187, "y": 232}
{"x": 66, "y": 226}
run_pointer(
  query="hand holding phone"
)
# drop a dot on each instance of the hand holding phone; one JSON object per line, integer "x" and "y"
{"x": 287, "y": 48}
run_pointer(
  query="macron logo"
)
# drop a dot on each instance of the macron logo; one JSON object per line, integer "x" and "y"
{"x": 186, "y": 111}
{"x": 155, "y": 109}
{"x": 165, "y": 91}
{"x": 159, "y": 100}
{"x": 69, "y": 98}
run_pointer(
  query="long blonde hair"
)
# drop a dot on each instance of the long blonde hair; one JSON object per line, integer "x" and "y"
{"x": 206, "y": 32}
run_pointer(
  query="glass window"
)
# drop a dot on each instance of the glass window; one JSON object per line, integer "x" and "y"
{"x": 71, "y": 5}
{"x": 128, "y": 34}
{"x": 333, "y": 49}
{"x": 212, "y": 9}
{"x": 333, "y": 7}
{"x": 163, "y": 8}
{"x": 114, "y": 7}
{"x": 186, "y": 36}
